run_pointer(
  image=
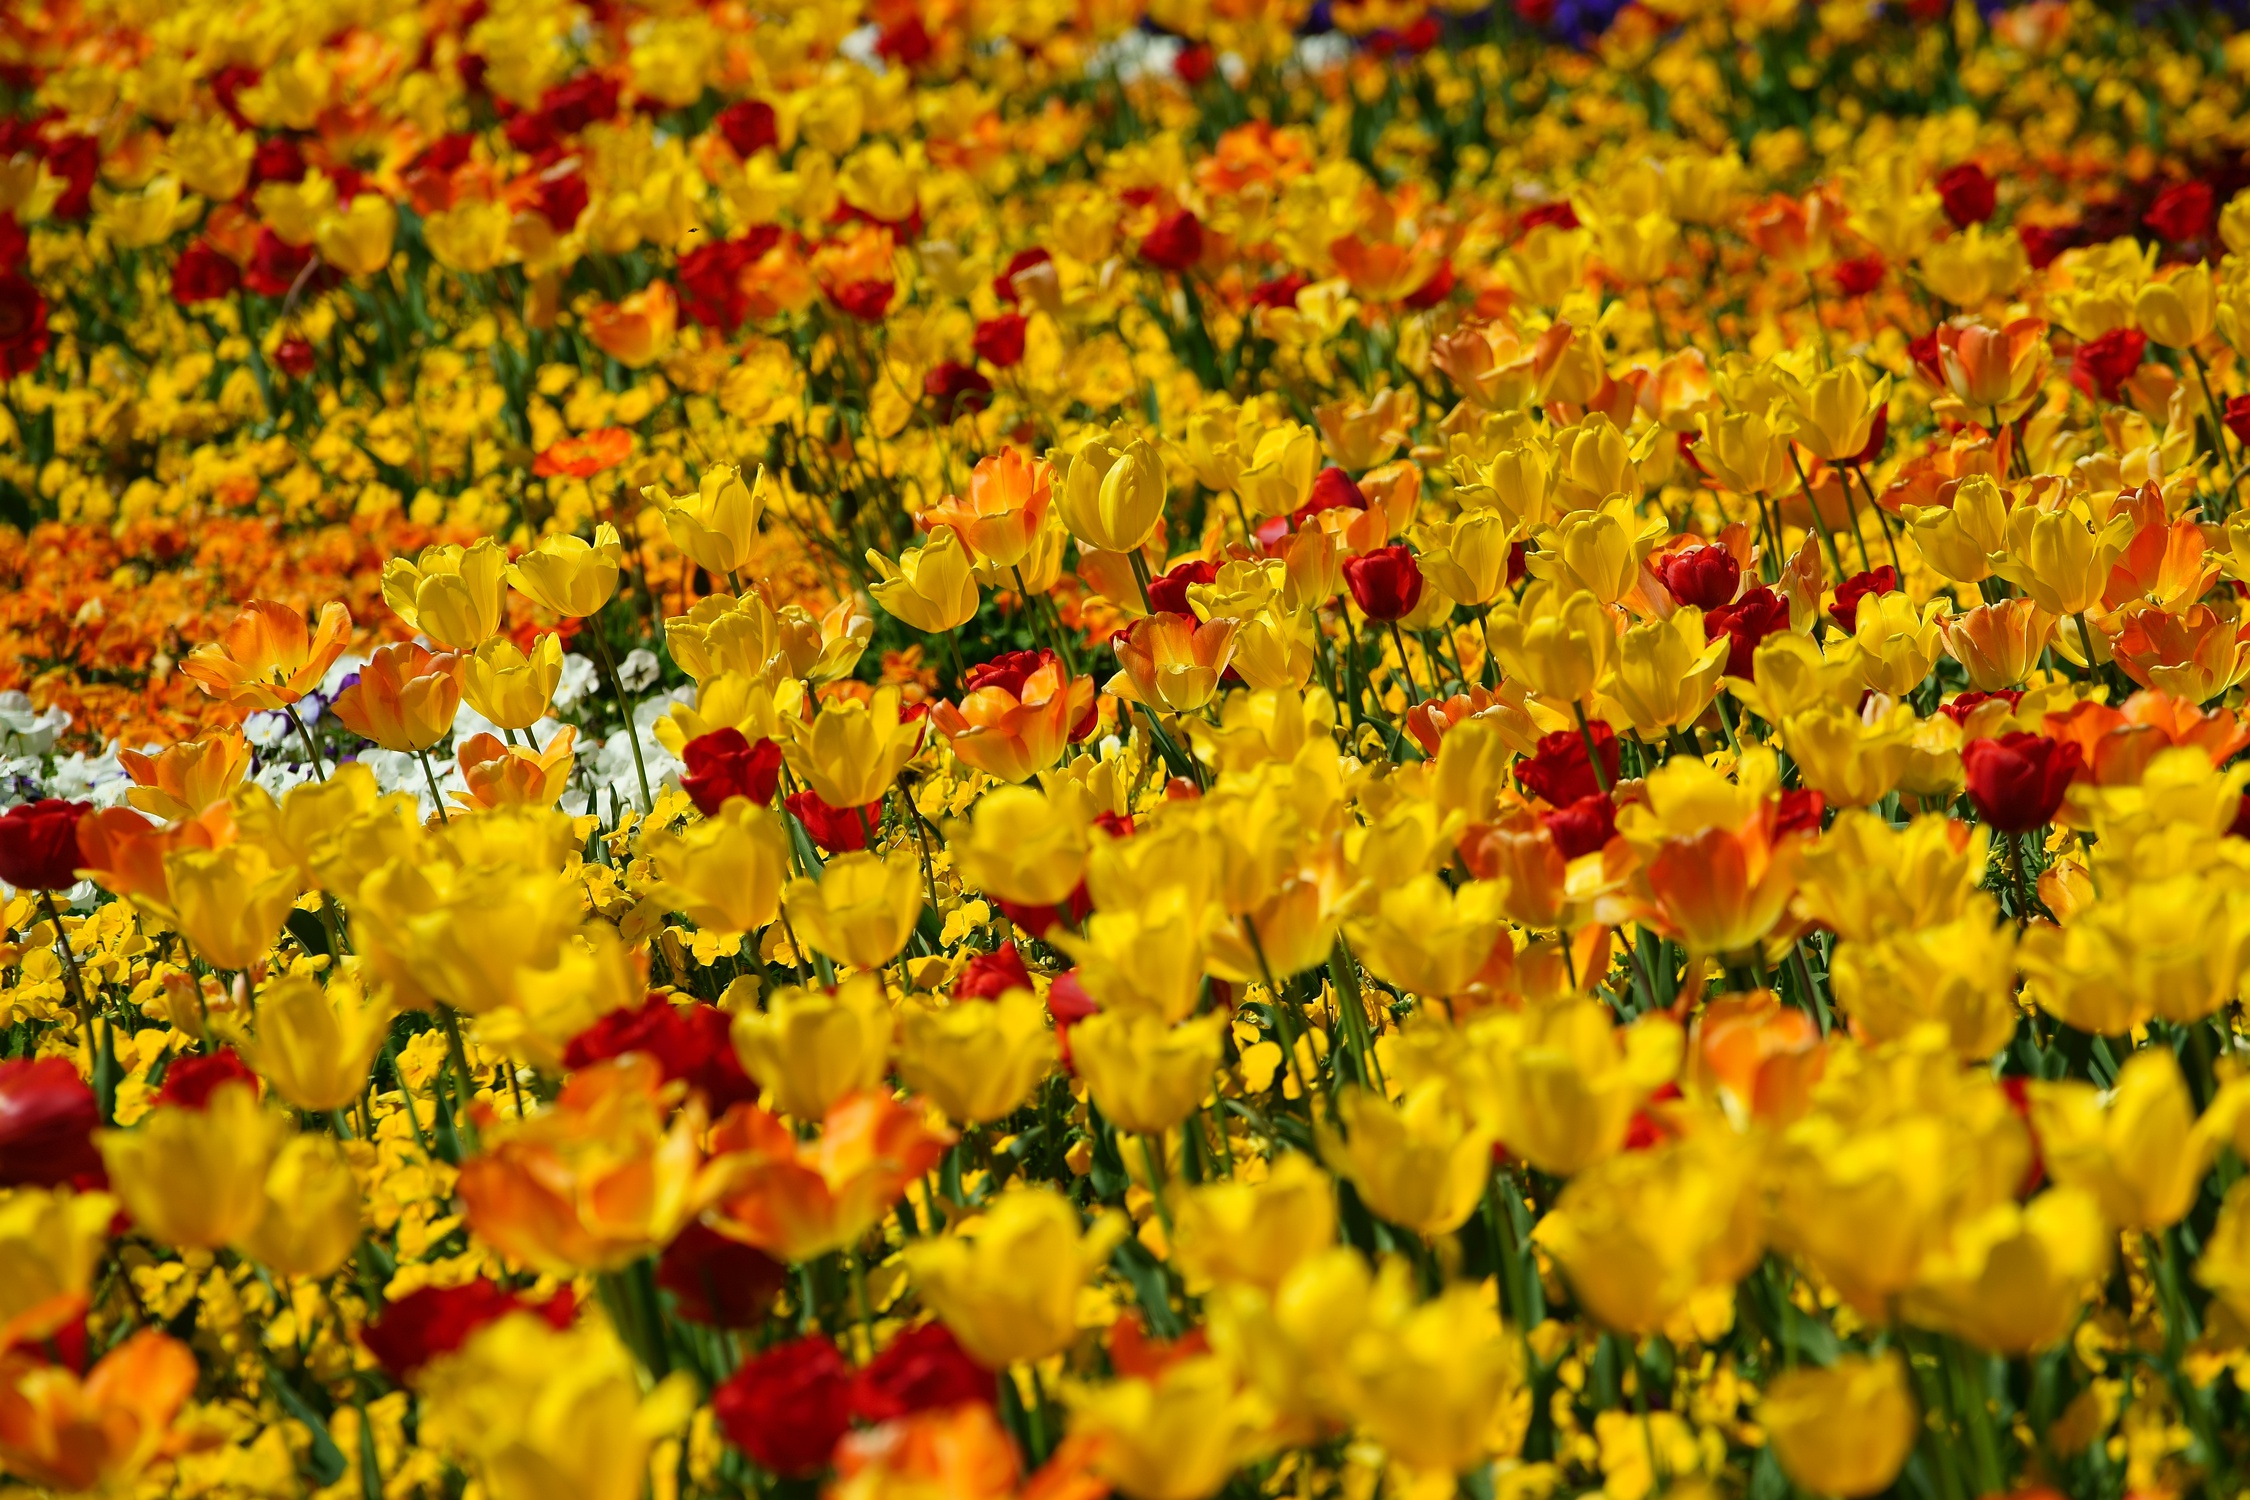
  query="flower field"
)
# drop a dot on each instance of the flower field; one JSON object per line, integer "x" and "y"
{"x": 964, "y": 749}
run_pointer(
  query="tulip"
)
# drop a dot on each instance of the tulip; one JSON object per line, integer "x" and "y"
{"x": 977, "y": 1060}
{"x": 1430, "y": 1383}
{"x": 1960, "y": 975}
{"x": 1172, "y": 663}
{"x": 1744, "y": 452}
{"x": 637, "y": 330}
{"x": 1007, "y": 501}
{"x": 1421, "y": 1163}
{"x": 1426, "y": 938}
{"x": 229, "y": 903}
{"x": 183, "y": 779}
{"x": 311, "y": 1222}
{"x": 47, "y": 1119}
{"x": 1851, "y": 759}
{"x": 724, "y": 764}
{"x": 2223, "y": 1269}
{"x": 808, "y": 1049}
{"x": 1178, "y": 1436}
{"x": 1845, "y": 1430}
{"x": 1496, "y": 369}
{"x": 852, "y": 751}
{"x": 1017, "y": 716}
{"x": 1835, "y": 414}
{"x": 1147, "y": 958}
{"x": 568, "y": 576}
{"x": 2195, "y": 655}
{"x": 508, "y": 687}
{"x": 788, "y": 1407}
{"x": 457, "y": 597}
{"x": 1995, "y": 371}
{"x": 1559, "y": 646}
{"x": 2017, "y": 781}
{"x": 726, "y": 872}
{"x": 1666, "y": 674}
{"x": 1567, "y": 1082}
{"x": 801, "y": 1199}
{"x": 2137, "y": 1151}
{"x": 1243, "y": 1233}
{"x": 862, "y": 908}
{"x": 1997, "y": 644}
{"x": 1279, "y": 475}
{"x": 39, "y": 849}
{"x": 1385, "y": 583}
{"x": 265, "y": 659}
{"x": 1009, "y": 1292}
{"x": 315, "y": 1044}
{"x": 196, "y": 1178}
{"x": 1113, "y": 494}
{"x": 98, "y": 1433}
{"x": 358, "y": 241}
{"x": 2015, "y": 1280}
{"x": 50, "y": 1242}
{"x": 1973, "y": 269}
{"x": 2178, "y": 313}
{"x": 405, "y": 699}
{"x": 504, "y": 775}
{"x": 1023, "y": 846}
{"x": 1598, "y": 550}
{"x": 717, "y": 525}
{"x": 1145, "y": 1075}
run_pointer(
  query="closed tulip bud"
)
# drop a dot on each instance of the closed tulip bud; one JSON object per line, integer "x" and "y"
{"x": 1639, "y": 1235}
{"x": 726, "y": 872}
{"x": 229, "y": 903}
{"x": 1145, "y": 1074}
{"x": 852, "y": 750}
{"x": 405, "y": 699}
{"x": 1385, "y": 583}
{"x": 1113, "y": 494}
{"x": 932, "y": 587}
{"x": 1557, "y": 645}
{"x": 314, "y": 1044}
{"x": 1567, "y": 1081}
{"x": 567, "y": 575}
{"x": 1594, "y": 464}
{"x": 311, "y": 1222}
{"x": 1274, "y": 651}
{"x": 1470, "y": 558}
{"x": 182, "y": 780}
{"x": 1998, "y": 645}
{"x": 1667, "y": 674}
{"x": 1009, "y": 1290}
{"x": 1845, "y": 1430}
{"x": 808, "y": 1049}
{"x": 1430, "y": 939}
{"x": 1897, "y": 643}
{"x": 2014, "y": 1279}
{"x": 1172, "y": 663}
{"x": 825, "y": 650}
{"x": 1278, "y": 478}
{"x": 1432, "y": 1383}
{"x": 2136, "y": 1149}
{"x": 456, "y": 596}
{"x": 862, "y": 908}
{"x": 1024, "y": 846}
{"x": 509, "y": 688}
{"x": 358, "y": 240}
{"x": 1243, "y": 1233}
{"x": 977, "y": 1060}
{"x": 1177, "y": 1436}
{"x": 2017, "y": 781}
{"x": 266, "y": 659}
{"x": 196, "y": 1178}
{"x": 2178, "y": 313}
{"x": 1421, "y": 1163}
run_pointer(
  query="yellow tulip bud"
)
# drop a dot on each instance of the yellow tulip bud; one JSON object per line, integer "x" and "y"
{"x": 1433, "y": 1383}
{"x": 229, "y": 903}
{"x": 717, "y": 526}
{"x": 453, "y": 595}
{"x": 976, "y": 1059}
{"x": 1279, "y": 477}
{"x": 809, "y": 1048}
{"x": 1666, "y": 674}
{"x": 1147, "y": 957}
{"x": 1958, "y": 540}
{"x": 1640, "y": 1234}
{"x": 1146, "y": 1075}
{"x": 1845, "y": 1430}
{"x": 358, "y": 240}
{"x": 1239, "y": 1232}
{"x": 196, "y": 1177}
{"x": 1743, "y": 452}
{"x": 725, "y": 873}
{"x": 1850, "y": 758}
{"x": 1469, "y": 559}
{"x": 2181, "y": 312}
{"x": 2137, "y": 1149}
{"x": 2061, "y": 555}
{"x": 509, "y": 688}
{"x": 1112, "y": 498}
{"x": 1973, "y": 268}
{"x": 1008, "y": 1287}
{"x": 1961, "y": 975}
{"x": 1834, "y": 415}
{"x": 861, "y": 910}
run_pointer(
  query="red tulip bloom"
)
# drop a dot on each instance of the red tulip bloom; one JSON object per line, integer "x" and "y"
{"x": 275, "y": 265}
{"x": 1168, "y": 593}
{"x": 988, "y": 976}
{"x": 1858, "y": 277}
{"x": 689, "y": 1043}
{"x": 2017, "y": 781}
{"x": 788, "y": 1407}
{"x": 2238, "y": 417}
{"x": 277, "y": 159}
{"x": 1068, "y": 1003}
{"x": 1332, "y": 489}
{"x": 1386, "y": 583}
{"x": 39, "y": 844}
{"x": 47, "y": 1121}
{"x": 718, "y": 1282}
{"x": 2043, "y": 242}
{"x": 924, "y": 1369}
{"x": 295, "y": 357}
{"x": 1969, "y": 194}
{"x": 710, "y": 284}
{"x": 202, "y": 274}
{"x": 1800, "y": 811}
{"x": 1434, "y": 291}
{"x": 1561, "y": 774}
{"x": 865, "y": 300}
{"x": 999, "y": 341}
{"x": 2182, "y": 212}
{"x": 1560, "y": 214}
{"x": 560, "y": 198}
{"x": 1176, "y": 243}
{"x": 23, "y": 326}
{"x": 955, "y": 389}
{"x": 1964, "y": 705}
{"x": 572, "y": 106}
{"x": 1705, "y": 577}
{"x": 75, "y": 159}
{"x": 190, "y": 1081}
{"x": 2103, "y": 365}
{"x": 724, "y": 764}
{"x": 749, "y": 126}
{"x": 839, "y": 830}
{"x": 1845, "y": 611}
{"x": 1583, "y": 826}
{"x": 423, "y": 1324}
{"x": 1195, "y": 63}
{"x": 1747, "y": 622}
{"x": 1004, "y": 284}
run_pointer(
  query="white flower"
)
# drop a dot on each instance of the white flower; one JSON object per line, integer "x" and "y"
{"x": 638, "y": 670}
{"x": 579, "y": 681}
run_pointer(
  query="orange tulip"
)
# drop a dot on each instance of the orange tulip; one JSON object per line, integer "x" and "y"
{"x": 266, "y": 660}
{"x": 1520, "y": 853}
{"x": 637, "y": 331}
{"x": 1994, "y": 370}
{"x": 1172, "y": 663}
{"x": 1759, "y": 1056}
{"x": 961, "y": 1453}
{"x": 1008, "y": 498}
{"x": 1382, "y": 271}
{"x": 1715, "y": 871}
{"x": 405, "y": 698}
{"x": 64, "y": 1433}
{"x": 183, "y": 779}
{"x": 1018, "y": 715}
{"x": 800, "y": 1199}
{"x": 585, "y": 455}
{"x": 124, "y": 852}
{"x": 595, "y": 1182}
{"x": 1493, "y": 368}
{"x": 2194, "y": 656}
{"x": 504, "y": 775}
{"x": 1799, "y": 233}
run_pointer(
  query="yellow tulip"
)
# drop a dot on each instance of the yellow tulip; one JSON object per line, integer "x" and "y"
{"x": 1112, "y": 496}
{"x": 717, "y": 525}
{"x": 976, "y": 1059}
{"x": 1023, "y": 845}
{"x": 568, "y": 575}
{"x": 2180, "y": 312}
{"x": 1845, "y": 1430}
{"x": 725, "y": 872}
{"x": 932, "y": 587}
{"x": 229, "y": 903}
{"x": 50, "y": 1241}
{"x": 315, "y": 1044}
{"x": 852, "y": 751}
{"x": 1666, "y": 674}
{"x": 1008, "y": 1285}
{"x": 196, "y": 1178}
{"x": 1240, "y": 1232}
{"x": 311, "y": 1220}
{"x": 2137, "y": 1150}
{"x": 456, "y": 596}
{"x": 861, "y": 910}
{"x": 1422, "y": 1163}
{"x": 2014, "y": 1280}
{"x": 1178, "y": 1436}
{"x": 809, "y": 1048}
{"x": 509, "y": 688}
{"x": 1144, "y": 1075}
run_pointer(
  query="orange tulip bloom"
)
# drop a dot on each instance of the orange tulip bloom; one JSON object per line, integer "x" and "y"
{"x": 800, "y": 1199}
{"x": 1760, "y": 1056}
{"x": 1018, "y": 715}
{"x": 1172, "y": 663}
{"x": 1799, "y": 233}
{"x": 595, "y": 1182}
{"x": 1381, "y": 271}
{"x": 64, "y": 1433}
{"x": 1721, "y": 890}
{"x": 2195, "y": 656}
{"x": 1492, "y": 367}
{"x": 1994, "y": 369}
{"x": 959, "y": 1452}
{"x": 183, "y": 779}
{"x": 583, "y": 457}
{"x": 124, "y": 852}
{"x": 637, "y": 331}
{"x": 2166, "y": 563}
{"x": 405, "y": 698}
{"x": 266, "y": 660}
{"x": 504, "y": 775}
{"x": 1008, "y": 498}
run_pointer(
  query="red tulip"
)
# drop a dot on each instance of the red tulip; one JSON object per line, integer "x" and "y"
{"x": 1583, "y": 826}
{"x": 2102, "y": 365}
{"x": 2017, "y": 781}
{"x": 1561, "y": 773}
{"x": 999, "y": 341}
{"x": 23, "y": 326}
{"x": 1747, "y": 621}
{"x": 202, "y": 274}
{"x": 689, "y": 1043}
{"x": 39, "y": 844}
{"x": 47, "y": 1121}
{"x": 1845, "y": 611}
{"x": 923, "y": 1369}
{"x": 724, "y": 764}
{"x": 2181, "y": 212}
{"x": 749, "y": 126}
{"x": 718, "y": 1282}
{"x": 1004, "y": 284}
{"x": 423, "y": 1324}
{"x": 190, "y": 1081}
{"x": 988, "y": 976}
{"x": 1176, "y": 243}
{"x": 1968, "y": 192}
{"x": 1705, "y": 577}
{"x": 788, "y": 1407}
{"x": 1168, "y": 592}
{"x": 1386, "y": 583}
{"x": 839, "y": 830}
